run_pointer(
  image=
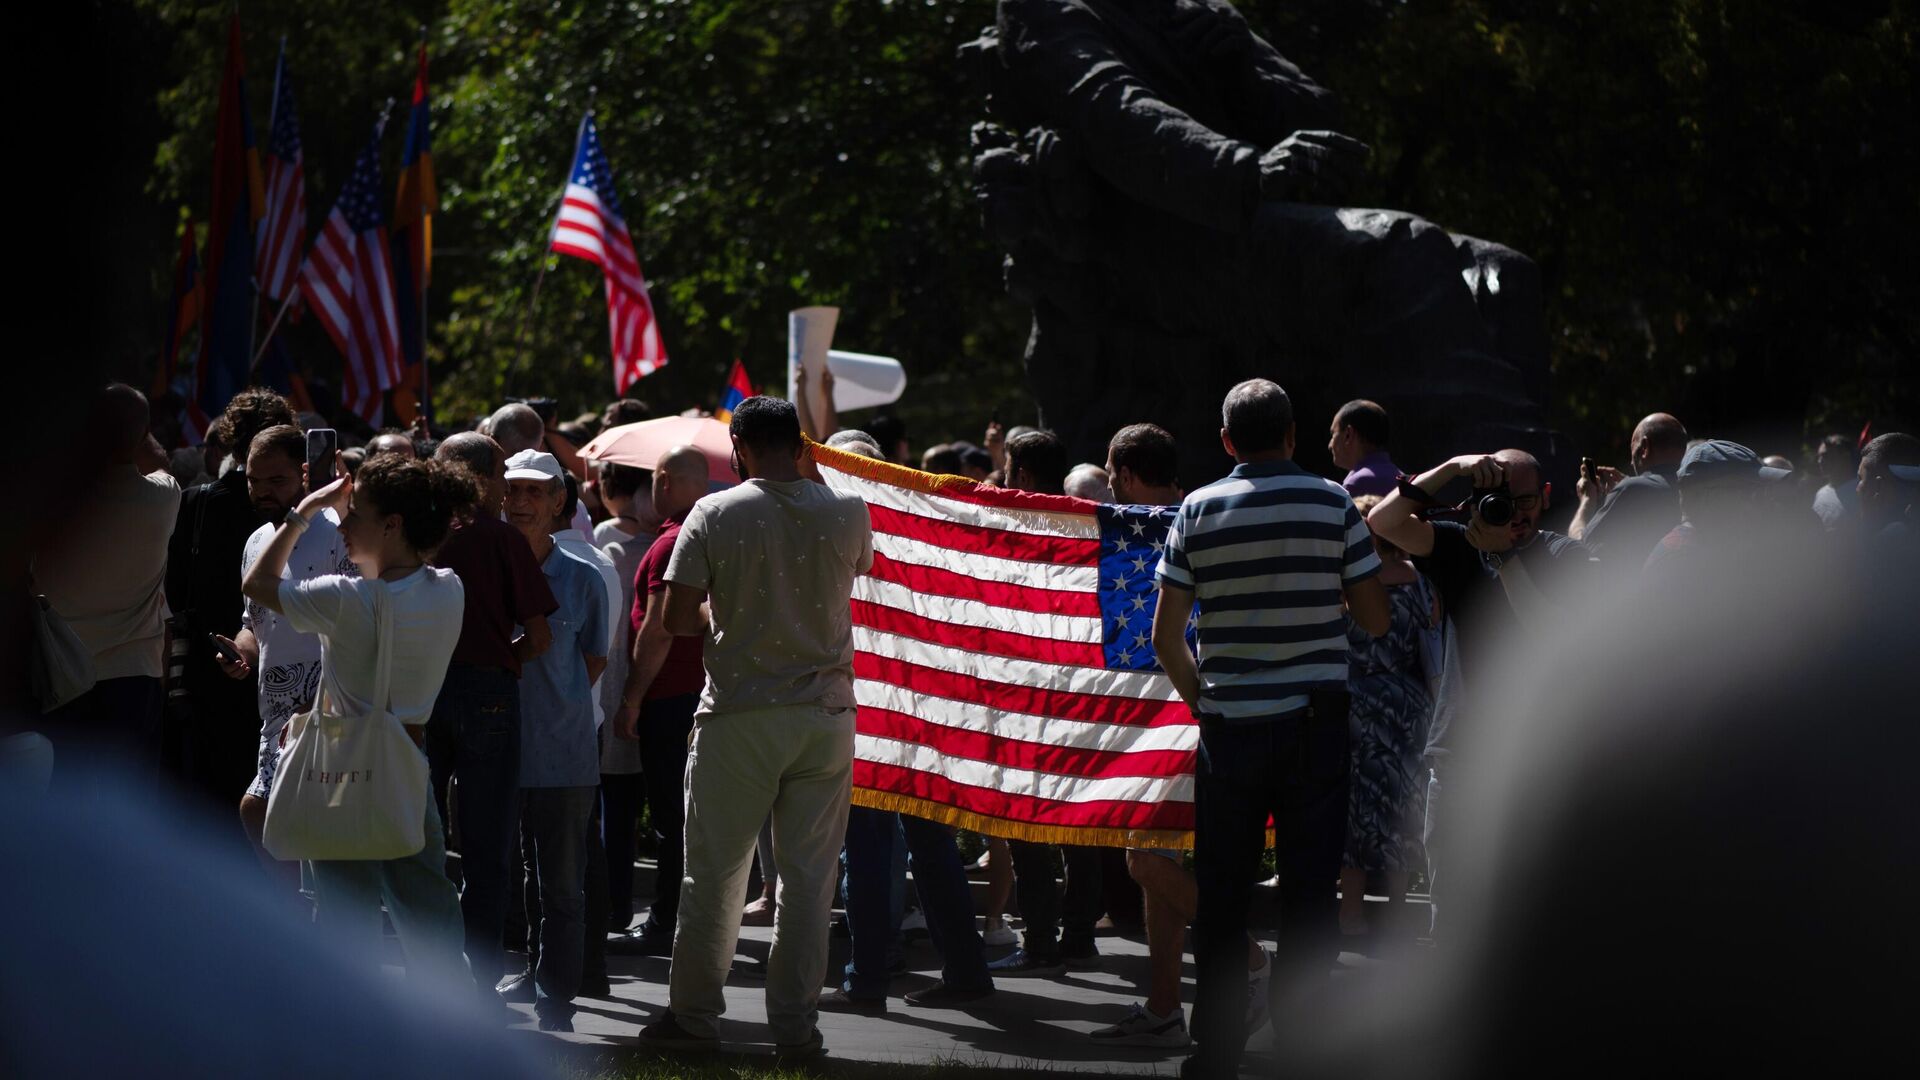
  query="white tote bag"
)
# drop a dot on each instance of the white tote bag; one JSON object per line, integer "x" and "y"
{"x": 350, "y": 786}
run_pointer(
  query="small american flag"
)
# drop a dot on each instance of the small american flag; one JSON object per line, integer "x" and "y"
{"x": 1004, "y": 664}
{"x": 346, "y": 282}
{"x": 590, "y": 227}
{"x": 284, "y": 228}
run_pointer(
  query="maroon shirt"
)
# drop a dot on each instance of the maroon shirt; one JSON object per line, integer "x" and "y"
{"x": 682, "y": 672}
{"x": 504, "y": 585}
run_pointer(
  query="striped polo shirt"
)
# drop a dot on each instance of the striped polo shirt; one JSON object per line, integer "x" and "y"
{"x": 1266, "y": 552}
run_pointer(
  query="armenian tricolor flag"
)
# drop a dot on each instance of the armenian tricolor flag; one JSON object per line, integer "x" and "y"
{"x": 411, "y": 241}
{"x": 738, "y": 390}
{"x": 239, "y": 202}
{"x": 183, "y": 311}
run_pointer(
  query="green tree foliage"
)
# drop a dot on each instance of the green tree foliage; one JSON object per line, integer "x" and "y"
{"x": 1719, "y": 193}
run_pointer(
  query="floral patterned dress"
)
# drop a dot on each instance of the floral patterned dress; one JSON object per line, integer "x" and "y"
{"x": 1388, "y": 729}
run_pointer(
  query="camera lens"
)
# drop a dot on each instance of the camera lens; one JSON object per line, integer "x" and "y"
{"x": 1496, "y": 508}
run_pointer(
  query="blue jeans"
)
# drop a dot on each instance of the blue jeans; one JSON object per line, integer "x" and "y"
{"x": 1294, "y": 768}
{"x": 474, "y": 735}
{"x": 944, "y": 898}
{"x": 420, "y": 899}
{"x": 555, "y": 835}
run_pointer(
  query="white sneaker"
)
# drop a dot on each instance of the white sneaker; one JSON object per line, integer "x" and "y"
{"x": 998, "y": 935}
{"x": 1258, "y": 984}
{"x": 1143, "y": 1028}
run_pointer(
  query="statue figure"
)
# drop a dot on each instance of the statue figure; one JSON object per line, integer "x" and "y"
{"x": 1166, "y": 185}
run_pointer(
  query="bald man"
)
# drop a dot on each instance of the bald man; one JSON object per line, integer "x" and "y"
{"x": 1492, "y": 581}
{"x": 1621, "y": 518}
{"x": 664, "y": 677}
{"x": 392, "y": 442}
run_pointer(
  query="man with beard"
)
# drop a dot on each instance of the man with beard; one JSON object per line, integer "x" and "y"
{"x": 1492, "y": 579}
{"x": 288, "y": 661}
{"x": 215, "y": 730}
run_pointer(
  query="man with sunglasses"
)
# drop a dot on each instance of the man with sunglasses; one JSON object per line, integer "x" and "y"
{"x": 1493, "y": 580}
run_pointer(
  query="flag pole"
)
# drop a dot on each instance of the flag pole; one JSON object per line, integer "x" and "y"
{"x": 533, "y": 301}
{"x": 271, "y": 327}
{"x": 273, "y": 111}
{"x": 426, "y": 237}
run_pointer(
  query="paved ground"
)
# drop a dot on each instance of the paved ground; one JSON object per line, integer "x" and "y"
{"x": 1027, "y": 1023}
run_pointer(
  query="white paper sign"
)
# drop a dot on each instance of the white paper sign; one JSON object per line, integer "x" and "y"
{"x": 809, "y": 334}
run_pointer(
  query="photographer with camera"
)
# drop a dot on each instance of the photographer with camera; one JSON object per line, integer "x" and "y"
{"x": 1498, "y": 569}
{"x": 1622, "y": 517}
{"x": 1489, "y": 571}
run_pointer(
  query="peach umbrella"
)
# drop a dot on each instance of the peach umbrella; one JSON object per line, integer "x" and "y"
{"x": 642, "y": 445}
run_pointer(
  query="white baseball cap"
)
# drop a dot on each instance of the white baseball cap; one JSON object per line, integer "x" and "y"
{"x": 533, "y": 465}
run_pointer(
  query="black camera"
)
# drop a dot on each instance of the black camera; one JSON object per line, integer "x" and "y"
{"x": 1493, "y": 505}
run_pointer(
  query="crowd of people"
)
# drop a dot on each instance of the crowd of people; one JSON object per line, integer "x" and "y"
{"x": 571, "y": 645}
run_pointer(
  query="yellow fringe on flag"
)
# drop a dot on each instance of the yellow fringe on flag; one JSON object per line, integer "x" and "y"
{"x": 885, "y": 472}
{"x": 1017, "y": 830}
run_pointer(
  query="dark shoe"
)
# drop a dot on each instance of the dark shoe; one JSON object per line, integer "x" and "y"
{"x": 1020, "y": 962}
{"x": 555, "y": 1022}
{"x": 787, "y": 1053}
{"x": 595, "y": 986}
{"x": 641, "y": 942}
{"x": 1201, "y": 1067}
{"x": 942, "y": 996}
{"x": 667, "y": 1034}
{"x": 1085, "y": 960}
{"x": 841, "y": 1001}
{"x": 516, "y": 988}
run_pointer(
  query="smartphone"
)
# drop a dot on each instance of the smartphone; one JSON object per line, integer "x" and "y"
{"x": 226, "y": 651}
{"x": 323, "y": 446}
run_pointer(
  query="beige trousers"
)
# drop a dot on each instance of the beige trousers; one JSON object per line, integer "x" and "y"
{"x": 796, "y": 763}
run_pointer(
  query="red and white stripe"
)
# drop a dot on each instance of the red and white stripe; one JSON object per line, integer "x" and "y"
{"x": 346, "y": 283}
{"x": 984, "y": 699}
{"x": 587, "y": 230}
{"x": 284, "y": 229}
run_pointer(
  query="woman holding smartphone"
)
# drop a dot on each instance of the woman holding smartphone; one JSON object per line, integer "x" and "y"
{"x": 392, "y": 514}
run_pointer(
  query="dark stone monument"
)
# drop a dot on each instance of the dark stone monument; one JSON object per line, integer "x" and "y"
{"x": 1166, "y": 185}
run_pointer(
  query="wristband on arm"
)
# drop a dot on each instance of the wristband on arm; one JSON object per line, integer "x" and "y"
{"x": 1408, "y": 489}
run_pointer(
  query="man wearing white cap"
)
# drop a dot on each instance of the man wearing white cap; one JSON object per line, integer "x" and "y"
{"x": 560, "y": 747}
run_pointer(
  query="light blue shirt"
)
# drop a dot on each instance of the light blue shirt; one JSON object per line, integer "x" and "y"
{"x": 559, "y": 741}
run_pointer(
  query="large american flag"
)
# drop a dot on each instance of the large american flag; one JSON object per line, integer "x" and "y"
{"x": 283, "y": 230}
{"x": 1004, "y": 662}
{"x": 590, "y": 227}
{"x": 347, "y": 283}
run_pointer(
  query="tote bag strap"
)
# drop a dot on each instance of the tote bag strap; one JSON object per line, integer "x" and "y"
{"x": 383, "y": 667}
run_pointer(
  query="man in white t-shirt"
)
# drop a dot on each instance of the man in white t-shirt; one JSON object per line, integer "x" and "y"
{"x": 288, "y": 661}
{"x": 764, "y": 572}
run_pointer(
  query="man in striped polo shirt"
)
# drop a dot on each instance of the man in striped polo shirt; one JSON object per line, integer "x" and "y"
{"x": 1278, "y": 558}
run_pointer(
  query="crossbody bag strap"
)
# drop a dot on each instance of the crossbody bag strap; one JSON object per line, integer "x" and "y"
{"x": 383, "y": 628}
